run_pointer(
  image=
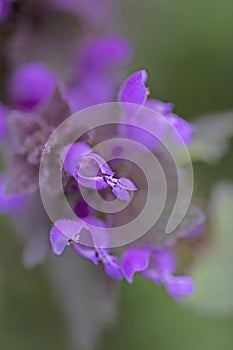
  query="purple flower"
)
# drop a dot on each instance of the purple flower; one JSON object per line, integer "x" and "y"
{"x": 179, "y": 286}
{"x": 157, "y": 265}
{"x": 30, "y": 85}
{"x": 97, "y": 74}
{"x": 135, "y": 91}
{"x": 80, "y": 154}
{"x": 67, "y": 232}
{"x": 135, "y": 260}
{"x": 104, "y": 52}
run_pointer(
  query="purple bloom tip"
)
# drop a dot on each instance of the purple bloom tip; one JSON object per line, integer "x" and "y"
{"x": 30, "y": 85}
{"x": 64, "y": 232}
{"x": 134, "y": 260}
{"x": 179, "y": 286}
{"x": 103, "y": 51}
{"x": 134, "y": 89}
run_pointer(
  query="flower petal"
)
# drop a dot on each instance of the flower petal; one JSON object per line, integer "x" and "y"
{"x": 165, "y": 260}
{"x": 58, "y": 241}
{"x": 74, "y": 157}
{"x": 179, "y": 286}
{"x": 134, "y": 260}
{"x": 62, "y": 233}
{"x": 161, "y": 107}
{"x": 112, "y": 267}
{"x": 87, "y": 252}
{"x": 104, "y": 167}
{"x": 121, "y": 193}
{"x": 184, "y": 128}
{"x": 134, "y": 89}
{"x": 96, "y": 183}
{"x": 31, "y": 84}
{"x": 127, "y": 184}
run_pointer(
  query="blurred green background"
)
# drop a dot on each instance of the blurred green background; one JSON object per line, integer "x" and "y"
{"x": 187, "y": 48}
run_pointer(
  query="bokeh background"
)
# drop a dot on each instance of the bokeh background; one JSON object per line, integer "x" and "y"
{"x": 187, "y": 48}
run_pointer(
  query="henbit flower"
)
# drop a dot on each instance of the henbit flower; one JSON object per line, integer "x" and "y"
{"x": 157, "y": 265}
{"x": 30, "y": 85}
{"x": 134, "y": 91}
{"x": 97, "y": 75}
{"x": 104, "y": 52}
{"x": 80, "y": 156}
{"x": 67, "y": 232}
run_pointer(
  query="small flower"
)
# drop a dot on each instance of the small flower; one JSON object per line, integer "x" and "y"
{"x": 157, "y": 265}
{"x": 97, "y": 75}
{"x": 179, "y": 286}
{"x": 135, "y": 91}
{"x": 30, "y": 85}
{"x": 67, "y": 232}
{"x": 79, "y": 154}
{"x": 135, "y": 260}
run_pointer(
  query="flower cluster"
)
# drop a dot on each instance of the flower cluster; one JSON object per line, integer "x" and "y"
{"x": 38, "y": 100}
{"x": 155, "y": 264}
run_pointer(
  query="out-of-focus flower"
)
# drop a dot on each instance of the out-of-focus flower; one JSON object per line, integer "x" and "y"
{"x": 159, "y": 266}
{"x": 30, "y": 85}
{"x": 97, "y": 75}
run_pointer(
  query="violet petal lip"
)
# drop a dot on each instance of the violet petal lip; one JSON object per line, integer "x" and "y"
{"x": 81, "y": 153}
